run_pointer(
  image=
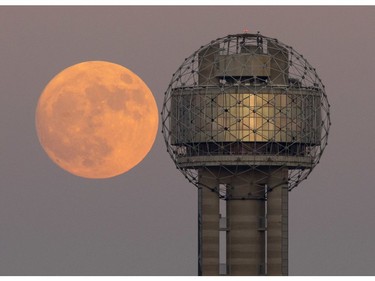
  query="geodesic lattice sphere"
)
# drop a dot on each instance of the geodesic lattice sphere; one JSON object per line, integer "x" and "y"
{"x": 246, "y": 103}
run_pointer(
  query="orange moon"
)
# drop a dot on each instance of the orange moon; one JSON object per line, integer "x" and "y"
{"x": 96, "y": 119}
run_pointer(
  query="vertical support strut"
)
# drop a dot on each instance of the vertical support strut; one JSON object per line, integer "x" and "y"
{"x": 199, "y": 231}
{"x": 223, "y": 270}
{"x": 246, "y": 235}
{"x": 256, "y": 229}
{"x": 209, "y": 226}
{"x": 277, "y": 229}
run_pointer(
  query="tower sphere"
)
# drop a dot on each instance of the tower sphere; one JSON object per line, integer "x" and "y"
{"x": 245, "y": 103}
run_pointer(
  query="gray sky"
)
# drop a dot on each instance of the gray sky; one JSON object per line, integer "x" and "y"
{"x": 144, "y": 222}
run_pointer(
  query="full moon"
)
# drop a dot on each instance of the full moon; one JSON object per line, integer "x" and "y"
{"x": 96, "y": 119}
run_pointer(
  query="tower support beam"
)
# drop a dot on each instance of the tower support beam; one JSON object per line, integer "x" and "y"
{"x": 246, "y": 235}
{"x": 208, "y": 227}
{"x": 277, "y": 223}
{"x": 257, "y": 239}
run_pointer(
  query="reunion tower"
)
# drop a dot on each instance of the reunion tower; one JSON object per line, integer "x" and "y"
{"x": 245, "y": 119}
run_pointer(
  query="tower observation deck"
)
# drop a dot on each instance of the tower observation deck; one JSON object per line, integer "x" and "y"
{"x": 245, "y": 118}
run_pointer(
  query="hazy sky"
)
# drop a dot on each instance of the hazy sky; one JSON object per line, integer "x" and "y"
{"x": 144, "y": 222}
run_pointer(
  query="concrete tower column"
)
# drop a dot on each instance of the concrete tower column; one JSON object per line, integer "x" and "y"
{"x": 208, "y": 224}
{"x": 277, "y": 223}
{"x": 246, "y": 235}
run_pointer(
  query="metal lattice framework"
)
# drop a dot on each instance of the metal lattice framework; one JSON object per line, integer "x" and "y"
{"x": 246, "y": 103}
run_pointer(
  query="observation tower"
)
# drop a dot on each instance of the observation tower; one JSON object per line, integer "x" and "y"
{"x": 245, "y": 119}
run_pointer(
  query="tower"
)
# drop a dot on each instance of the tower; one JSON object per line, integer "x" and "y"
{"x": 245, "y": 118}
